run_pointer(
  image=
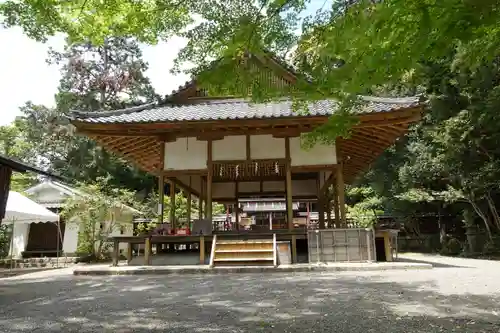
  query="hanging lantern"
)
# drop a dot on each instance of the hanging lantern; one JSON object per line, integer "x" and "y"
{"x": 237, "y": 171}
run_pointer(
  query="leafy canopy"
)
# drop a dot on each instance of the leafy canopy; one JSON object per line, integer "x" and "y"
{"x": 347, "y": 47}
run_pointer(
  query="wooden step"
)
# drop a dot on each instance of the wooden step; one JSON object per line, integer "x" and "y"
{"x": 266, "y": 263}
{"x": 243, "y": 250}
{"x": 241, "y": 254}
{"x": 244, "y": 259}
{"x": 253, "y": 241}
{"x": 244, "y": 247}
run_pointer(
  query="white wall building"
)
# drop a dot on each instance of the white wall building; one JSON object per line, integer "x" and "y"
{"x": 52, "y": 195}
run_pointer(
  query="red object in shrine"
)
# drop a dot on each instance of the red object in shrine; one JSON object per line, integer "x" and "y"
{"x": 183, "y": 231}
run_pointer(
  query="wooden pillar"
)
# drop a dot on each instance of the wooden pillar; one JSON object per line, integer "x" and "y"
{"x": 147, "y": 251}
{"x": 209, "y": 180}
{"x": 387, "y": 246}
{"x": 161, "y": 184}
{"x": 340, "y": 185}
{"x": 321, "y": 211}
{"x": 202, "y": 250}
{"x": 236, "y": 206}
{"x": 172, "y": 207}
{"x": 188, "y": 209}
{"x": 328, "y": 211}
{"x": 161, "y": 197}
{"x": 200, "y": 199}
{"x": 336, "y": 207}
{"x": 116, "y": 252}
{"x": 129, "y": 252}
{"x": 289, "y": 198}
{"x": 288, "y": 185}
{"x": 294, "y": 249}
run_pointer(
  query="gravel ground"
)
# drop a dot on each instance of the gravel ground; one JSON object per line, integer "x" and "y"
{"x": 461, "y": 295}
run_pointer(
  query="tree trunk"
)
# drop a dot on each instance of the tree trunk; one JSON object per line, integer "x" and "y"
{"x": 483, "y": 217}
{"x": 493, "y": 210}
{"x": 442, "y": 228}
{"x": 104, "y": 83}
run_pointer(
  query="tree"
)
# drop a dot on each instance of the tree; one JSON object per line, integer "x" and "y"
{"x": 98, "y": 212}
{"x": 332, "y": 48}
{"x": 94, "y": 78}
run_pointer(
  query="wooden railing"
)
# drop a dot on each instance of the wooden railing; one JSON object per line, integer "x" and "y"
{"x": 212, "y": 251}
{"x": 275, "y": 259}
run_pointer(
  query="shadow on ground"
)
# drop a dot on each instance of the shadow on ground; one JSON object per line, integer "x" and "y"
{"x": 431, "y": 262}
{"x": 299, "y": 302}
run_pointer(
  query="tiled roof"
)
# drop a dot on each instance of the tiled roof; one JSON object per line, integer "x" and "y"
{"x": 234, "y": 109}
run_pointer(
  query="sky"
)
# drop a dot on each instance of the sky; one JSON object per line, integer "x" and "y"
{"x": 25, "y": 75}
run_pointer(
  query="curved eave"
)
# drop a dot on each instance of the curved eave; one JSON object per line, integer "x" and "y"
{"x": 141, "y": 143}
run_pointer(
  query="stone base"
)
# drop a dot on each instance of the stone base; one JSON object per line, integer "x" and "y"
{"x": 205, "y": 269}
{"x": 44, "y": 262}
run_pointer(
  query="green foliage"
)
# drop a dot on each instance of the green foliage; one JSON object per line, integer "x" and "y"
{"x": 5, "y": 232}
{"x": 98, "y": 212}
{"x": 363, "y": 206}
{"x": 95, "y": 20}
{"x": 20, "y": 182}
{"x": 346, "y": 48}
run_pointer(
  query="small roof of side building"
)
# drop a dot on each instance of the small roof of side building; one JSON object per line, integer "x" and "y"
{"x": 59, "y": 193}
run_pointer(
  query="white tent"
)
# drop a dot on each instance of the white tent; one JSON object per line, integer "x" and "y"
{"x": 21, "y": 212}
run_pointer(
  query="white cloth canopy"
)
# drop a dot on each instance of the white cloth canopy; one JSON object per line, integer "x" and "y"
{"x": 21, "y": 209}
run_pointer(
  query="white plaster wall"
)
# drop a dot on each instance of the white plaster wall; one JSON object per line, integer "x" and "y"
{"x": 20, "y": 239}
{"x": 248, "y": 187}
{"x": 223, "y": 190}
{"x": 230, "y": 148}
{"x": 267, "y": 147}
{"x": 70, "y": 240}
{"x": 318, "y": 155}
{"x": 186, "y": 154}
